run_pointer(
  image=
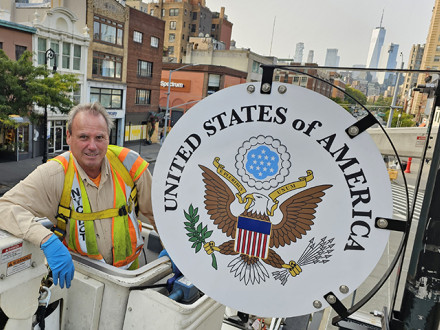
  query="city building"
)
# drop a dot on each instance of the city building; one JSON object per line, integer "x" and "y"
{"x": 376, "y": 43}
{"x": 331, "y": 57}
{"x": 56, "y": 30}
{"x": 15, "y": 143}
{"x": 107, "y": 67}
{"x": 221, "y": 28}
{"x": 184, "y": 19}
{"x": 310, "y": 56}
{"x": 303, "y": 80}
{"x": 414, "y": 63}
{"x": 430, "y": 60}
{"x": 190, "y": 84}
{"x": 388, "y": 60}
{"x": 203, "y": 50}
{"x": 299, "y": 51}
{"x": 144, "y": 67}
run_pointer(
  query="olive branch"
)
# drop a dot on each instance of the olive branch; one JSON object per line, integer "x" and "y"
{"x": 197, "y": 235}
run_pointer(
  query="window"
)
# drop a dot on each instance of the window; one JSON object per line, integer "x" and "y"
{"x": 183, "y": 37}
{"x": 436, "y": 58}
{"x": 41, "y": 51}
{"x": 194, "y": 16}
{"x": 173, "y": 25}
{"x": 137, "y": 36}
{"x": 142, "y": 96}
{"x": 108, "y": 97}
{"x": 174, "y": 12}
{"x": 19, "y": 50}
{"x": 108, "y": 31}
{"x": 76, "y": 95}
{"x": 193, "y": 28}
{"x": 145, "y": 69}
{"x": 171, "y": 37}
{"x": 105, "y": 65}
{"x": 76, "y": 57}
{"x": 163, "y": 12}
{"x": 170, "y": 50}
{"x": 1, "y": 44}
{"x": 256, "y": 67}
{"x": 154, "y": 42}
{"x": 152, "y": 12}
{"x": 56, "y": 48}
{"x": 213, "y": 83}
{"x": 66, "y": 55}
{"x": 437, "y": 49}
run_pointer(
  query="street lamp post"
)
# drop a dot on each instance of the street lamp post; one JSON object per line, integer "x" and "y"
{"x": 167, "y": 110}
{"x": 50, "y": 54}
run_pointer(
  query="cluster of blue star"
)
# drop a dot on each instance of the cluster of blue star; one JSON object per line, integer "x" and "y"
{"x": 262, "y": 162}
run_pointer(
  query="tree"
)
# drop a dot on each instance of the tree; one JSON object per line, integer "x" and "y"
{"x": 23, "y": 86}
{"x": 405, "y": 120}
{"x": 357, "y": 94}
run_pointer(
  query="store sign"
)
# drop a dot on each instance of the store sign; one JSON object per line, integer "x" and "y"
{"x": 116, "y": 113}
{"x": 266, "y": 204}
{"x": 177, "y": 85}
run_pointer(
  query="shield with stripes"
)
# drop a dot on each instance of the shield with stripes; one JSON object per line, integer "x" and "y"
{"x": 252, "y": 237}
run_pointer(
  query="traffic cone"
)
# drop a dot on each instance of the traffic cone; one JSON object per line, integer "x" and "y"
{"x": 408, "y": 165}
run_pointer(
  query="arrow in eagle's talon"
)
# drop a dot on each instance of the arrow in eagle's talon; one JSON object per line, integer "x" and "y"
{"x": 293, "y": 267}
{"x": 210, "y": 247}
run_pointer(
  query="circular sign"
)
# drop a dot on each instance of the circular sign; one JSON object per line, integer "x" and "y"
{"x": 266, "y": 204}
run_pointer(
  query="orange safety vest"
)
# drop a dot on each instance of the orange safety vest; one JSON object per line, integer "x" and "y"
{"x": 126, "y": 167}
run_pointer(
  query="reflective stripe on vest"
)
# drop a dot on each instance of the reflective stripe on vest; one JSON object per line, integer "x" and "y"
{"x": 126, "y": 238}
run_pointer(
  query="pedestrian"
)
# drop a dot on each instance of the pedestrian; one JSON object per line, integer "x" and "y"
{"x": 91, "y": 194}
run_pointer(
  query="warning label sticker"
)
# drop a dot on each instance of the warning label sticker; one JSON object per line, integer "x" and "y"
{"x": 18, "y": 265}
{"x": 11, "y": 252}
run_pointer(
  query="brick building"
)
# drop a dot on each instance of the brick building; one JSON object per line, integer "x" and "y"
{"x": 144, "y": 65}
{"x": 193, "y": 83}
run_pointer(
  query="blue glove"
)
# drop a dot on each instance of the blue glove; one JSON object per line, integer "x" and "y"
{"x": 59, "y": 260}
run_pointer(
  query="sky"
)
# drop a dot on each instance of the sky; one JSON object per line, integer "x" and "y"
{"x": 274, "y": 27}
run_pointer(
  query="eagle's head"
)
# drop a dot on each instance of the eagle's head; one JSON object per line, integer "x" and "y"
{"x": 257, "y": 203}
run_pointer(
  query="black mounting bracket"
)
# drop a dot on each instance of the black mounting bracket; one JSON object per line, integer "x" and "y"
{"x": 337, "y": 305}
{"x": 390, "y": 224}
{"x": 266, "y": 80}
{"x": 361, "y": 125}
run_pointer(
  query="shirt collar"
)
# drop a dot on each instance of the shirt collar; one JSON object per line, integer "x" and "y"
{"x": 105, "y": 171}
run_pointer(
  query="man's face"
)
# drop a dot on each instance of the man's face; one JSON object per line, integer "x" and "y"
{"x": 89, "y": 141}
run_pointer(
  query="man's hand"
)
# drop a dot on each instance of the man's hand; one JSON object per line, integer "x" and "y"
{"x": 59, "y": 260}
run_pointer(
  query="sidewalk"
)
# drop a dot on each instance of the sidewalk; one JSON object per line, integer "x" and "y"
{"x": 12, "y": 172}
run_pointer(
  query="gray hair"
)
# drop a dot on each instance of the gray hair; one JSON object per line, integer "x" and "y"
{"x": 94, "y": 108}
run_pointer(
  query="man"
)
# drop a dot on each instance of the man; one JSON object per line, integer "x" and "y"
{"x": 89, "y": 193}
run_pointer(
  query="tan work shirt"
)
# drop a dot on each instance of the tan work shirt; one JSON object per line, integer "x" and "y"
{"x": 39, "y": 195}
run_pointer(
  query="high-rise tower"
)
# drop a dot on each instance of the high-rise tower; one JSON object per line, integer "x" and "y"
{"x": 299, "y": 51}
{"x": 388, "y": 60}
{"x": 430, "y": 60}
{"x": 310, "y": 56}
{"x": 332, "y": 58}
{"x": 376, "y": 43}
